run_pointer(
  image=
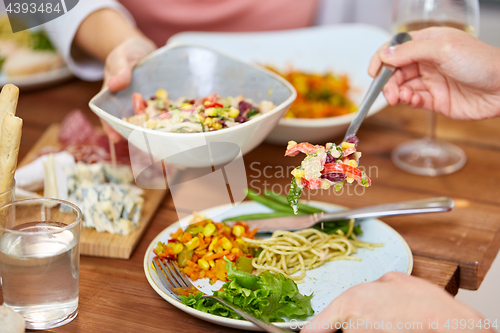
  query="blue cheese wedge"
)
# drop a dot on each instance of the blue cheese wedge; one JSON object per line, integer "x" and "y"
{"x": 122, "y": 174}
{"x": 101, "y": 221}
{"x": 123, "y": 226}
{"x": 137, "y": 214}
{"x": 92, "y": 173}
{"x": 107, "y": 197}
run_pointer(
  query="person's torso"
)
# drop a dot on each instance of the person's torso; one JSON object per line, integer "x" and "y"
{"x": 160, "y": 19}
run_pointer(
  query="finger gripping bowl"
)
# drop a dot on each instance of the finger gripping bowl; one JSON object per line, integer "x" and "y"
{"x": 192, "y": 72}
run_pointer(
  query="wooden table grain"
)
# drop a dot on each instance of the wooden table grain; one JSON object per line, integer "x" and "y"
{"x": 450, "y": 249}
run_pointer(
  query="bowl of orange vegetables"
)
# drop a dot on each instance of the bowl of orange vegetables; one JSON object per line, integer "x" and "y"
{"x": 324, "y": 107}
{"x": 200, "y": 249}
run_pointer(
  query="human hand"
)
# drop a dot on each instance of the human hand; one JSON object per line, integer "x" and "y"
{"x": 392, "y": 300}
{"x": 445, "y": 70}
{"x": 122, "y": 60}
{"x": 118, "y": 69}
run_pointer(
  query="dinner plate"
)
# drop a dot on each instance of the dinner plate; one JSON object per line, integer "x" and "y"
{"x": 40, "y": 80}
{"x": 343, "y": 48}
{"x": 326, "y": 282}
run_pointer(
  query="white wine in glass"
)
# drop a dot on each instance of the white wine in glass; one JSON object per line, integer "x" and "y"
{"x": 429, "y": 156}
{"x": 419, "y": 25}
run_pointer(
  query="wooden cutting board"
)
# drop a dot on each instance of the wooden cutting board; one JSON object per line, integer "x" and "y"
{"x": 104, "y": 244}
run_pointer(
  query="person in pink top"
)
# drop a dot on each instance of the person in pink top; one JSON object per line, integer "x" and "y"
{"x": 121, "y": 32}
{"x": 124, "y": 44}
{"x": 161, "y": 19}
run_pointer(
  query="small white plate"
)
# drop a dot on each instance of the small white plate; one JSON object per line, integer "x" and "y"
{"x": 343, "y": 48}
{"x": 326, "y": 282}
{"x": 40, "y": 80}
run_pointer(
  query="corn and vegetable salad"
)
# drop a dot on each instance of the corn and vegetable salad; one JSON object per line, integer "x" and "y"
{"x": 200, "y": 248}
{"x": 206, "y": 114}
{"x": 318, "y": 95}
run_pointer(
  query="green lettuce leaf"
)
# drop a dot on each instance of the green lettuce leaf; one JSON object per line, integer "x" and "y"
{"x": 269, "y": 296}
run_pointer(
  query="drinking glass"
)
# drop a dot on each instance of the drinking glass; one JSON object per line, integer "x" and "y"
{"x": 5, "y": 198}
{"x": 40, "y": 260}
{"x": 8, "y": 196}
{"x": 430, "y": 156}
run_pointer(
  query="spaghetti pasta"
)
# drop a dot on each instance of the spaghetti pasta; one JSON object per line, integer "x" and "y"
{"x": 291, "y": 252}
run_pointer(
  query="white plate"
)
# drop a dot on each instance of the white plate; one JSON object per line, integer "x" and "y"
{"x": 344, "y": 48}
{"x": 327, "y": 281}
{"x": 40, "y": 80}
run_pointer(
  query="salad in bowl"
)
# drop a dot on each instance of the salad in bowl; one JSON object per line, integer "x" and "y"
{"x": 183, "y": 115}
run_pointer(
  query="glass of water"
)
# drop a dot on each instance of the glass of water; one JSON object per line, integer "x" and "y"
{"x": 40, "y": 260}
{"x": 5, "y": 198}
{"x": 8, "y": 196}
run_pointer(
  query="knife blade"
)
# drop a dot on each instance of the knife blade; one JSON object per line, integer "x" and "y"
{"x": 432, "y": 205}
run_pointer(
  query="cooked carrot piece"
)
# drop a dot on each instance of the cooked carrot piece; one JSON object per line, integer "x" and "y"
{"x": 217, "y": 255}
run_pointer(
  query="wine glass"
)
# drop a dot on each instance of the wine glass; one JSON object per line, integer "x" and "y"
{"x": 430, "y": 156}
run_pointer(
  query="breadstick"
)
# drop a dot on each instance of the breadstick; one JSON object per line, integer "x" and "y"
{"x": 8, "y": 105}
{"x": 9, "y": 149}
{"x": 8, "y": 101}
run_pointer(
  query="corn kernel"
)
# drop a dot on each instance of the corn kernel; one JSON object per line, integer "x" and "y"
{"x": 178, "y": 247}
{"x": 234, "y": 112}
{"x": 212, "y": 263}
{"x": 291, "y": 144}
{"x": 352, "y": 163}
{"x": 325, "y": 184}
{"x": 346, "y": 145}
{"x": 161, "y": 94}
{"x": 193, "y": 243}
{"x": 203, "y": 264}
{"x": 207, "y": 103}
{"x": 210, "y": 112}
{"x": 160, "y": 248}
{"x": 226, "y": 244}
{"x": 208, "y": 230}
{"x": 242, "y": 244}
{"x": 186, "y": 106}
{"x": 213, "y": 243}
{"x": 238, "y": 230}
{"x": 208, "y": 121}
{"x": 349, "y": 180}
{"x": 235, "y": 250}
{"x": 298, "y": 173}
{"x": 216, "y": 125}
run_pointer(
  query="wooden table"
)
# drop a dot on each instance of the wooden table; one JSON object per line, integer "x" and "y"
{"x": 452, "y": 250}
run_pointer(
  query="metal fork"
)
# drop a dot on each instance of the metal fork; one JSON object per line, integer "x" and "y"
{"x": 175, "y": 279}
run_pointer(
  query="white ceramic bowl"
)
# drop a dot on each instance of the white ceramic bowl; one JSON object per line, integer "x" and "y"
{"x": 192, "y": 72}
{"x": 344, "y": 48}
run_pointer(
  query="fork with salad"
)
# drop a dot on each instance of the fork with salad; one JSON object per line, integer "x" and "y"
{"x": 329, "y": 165}
{"x": 325, "y": 166}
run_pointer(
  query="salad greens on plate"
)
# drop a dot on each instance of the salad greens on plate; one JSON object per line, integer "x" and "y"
{"x": 271, "y": 297}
